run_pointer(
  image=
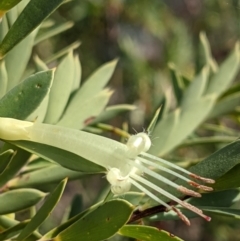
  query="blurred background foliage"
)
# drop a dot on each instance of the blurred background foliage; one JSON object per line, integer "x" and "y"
{"x": 146, "y": 36}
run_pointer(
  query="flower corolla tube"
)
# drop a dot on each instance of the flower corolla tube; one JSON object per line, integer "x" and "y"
{"x": 126, "y": 164}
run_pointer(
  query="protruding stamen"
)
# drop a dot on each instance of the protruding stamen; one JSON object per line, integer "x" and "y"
{"x": 162, "y": 161}
{"x": 165, "y": 180}
{"x": 194, "y": 184}
{"x": 195, "y": 210}
{"x": 202, "y": 187}
{"x": 154, "y": 174}
{"x": 162, "y": 168}
{"x": 170, "y": 196}
{"x": 148, "y": 193}
{"x": 188, "y": 192}
{"x": 181, "y": 215}
{"x": 207, "y": 180}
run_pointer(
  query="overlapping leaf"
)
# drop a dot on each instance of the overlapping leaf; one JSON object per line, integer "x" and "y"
{"x": 196, "y": 105}
{"x": 29, "y": 19}
{"x": 61, "y": 89}
{"x": 43, "y": 212}
{"x": 10, "y": 200}
{"x": 145, "y": 233}
{"x": 16, "y": 104}
{"x": 99, "y": 224}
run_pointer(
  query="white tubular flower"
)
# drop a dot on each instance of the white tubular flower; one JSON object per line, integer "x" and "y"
{"x": 126, "y": 164}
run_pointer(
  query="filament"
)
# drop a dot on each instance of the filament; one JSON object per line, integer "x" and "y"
{"x": 207, "y": 180}
{"x": 151, "y": 195}
{"x": 170, "y": 196}
{"x": 194, "y": 184}
{"x": 165, "y": 180}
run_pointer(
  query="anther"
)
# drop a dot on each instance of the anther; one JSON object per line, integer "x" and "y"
{"x": 199, "y": 186}
{"x": 181, "y": 215}
{"x": 207, "y": 180}
{"x": 188, "y": 192}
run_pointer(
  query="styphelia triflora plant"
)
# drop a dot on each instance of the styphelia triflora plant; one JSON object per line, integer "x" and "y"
{"x": 126, "y": 164}
{"x": 53, "y": 114}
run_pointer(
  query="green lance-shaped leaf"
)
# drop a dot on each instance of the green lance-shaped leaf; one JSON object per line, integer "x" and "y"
{"x": 233, "y": 89}
{"x": 47, "y": 175}
{"x": 165, "y": 105}
{"x": 196, "y": 89}
{"x": 14, "y": 165}
{"x": 17, "y": 60}
{"x": 7, "y": 221}
{"x": 177, "y": 83}
{"x": 77, "y": 74}
{"x": 54, "y": 232}
{"x": 153, "y": 121}
{"x": 40, "y": 65}
{"x": 99, "y": 224}
{"x": 22, "y": 100}
{"x": 40, "y": 113}
{"x": 90, "y": 99}
{"x": 5, "y": 158}
{"x": 32, "y": 16}
{"x": 226, "y": 105}
{"x": 15, "y": 230}
{"x": 85, "y": 112}
{"x": 3, "y": 27}
{"x": 76, "y": 206}
{"x": 176, "y": 126}
{"x": 146, "y": 233}
{"x": 131, "y": 197}
{"x": 207, "y": 53}
{"x": 3, "y": 79}
{"x": 95, "y": 83}
{"x": 22, "y": 5}
{"x": 62, "y": 52}
{"x": 10, "y": 200}
{"x": 112, "y": 111}
{"x": 12, "y": 16}
{"x": 37, "y": 164}
{"x": 12, "y": 227}
{"x": 61, "y": 89}
{"x": 5, "y": 5}
{"x": 229, "y": 180}
{"x": 54, "y": 30}
{"x": 226, "y": 73}
{"x": 43, "y": 212}
{"x": 62, "y": 157}
{"x": 220, "y": 162}
{"x": 224, "y": 198}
